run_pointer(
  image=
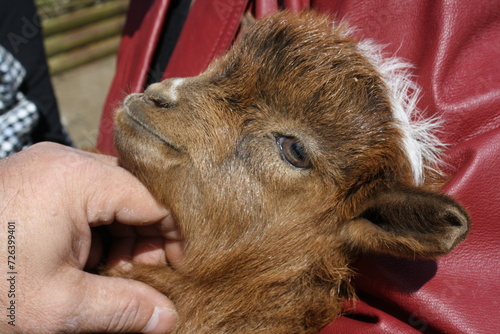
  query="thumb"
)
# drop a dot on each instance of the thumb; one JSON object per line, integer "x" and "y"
{"x": 119, "y": 305}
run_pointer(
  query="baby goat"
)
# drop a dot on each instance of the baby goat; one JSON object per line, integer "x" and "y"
{"x": 291, "y": 153}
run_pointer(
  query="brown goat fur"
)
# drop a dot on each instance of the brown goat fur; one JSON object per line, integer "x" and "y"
{"x": 279, "y": 163}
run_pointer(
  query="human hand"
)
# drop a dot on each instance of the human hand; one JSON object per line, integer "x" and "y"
{"x": 50, "y": 197}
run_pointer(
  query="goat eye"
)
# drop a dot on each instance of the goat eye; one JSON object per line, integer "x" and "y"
{"x": 293, "y": 152}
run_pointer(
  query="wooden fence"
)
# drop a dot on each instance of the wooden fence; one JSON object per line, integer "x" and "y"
{"x": 84, "y": 35}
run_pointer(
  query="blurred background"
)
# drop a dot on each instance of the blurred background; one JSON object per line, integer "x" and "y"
{"x": 81, "y": 40}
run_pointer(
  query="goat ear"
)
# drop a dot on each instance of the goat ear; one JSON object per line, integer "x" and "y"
{"x": 408, "y": 222}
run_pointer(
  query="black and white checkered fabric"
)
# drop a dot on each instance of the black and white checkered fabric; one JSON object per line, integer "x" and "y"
{"x": 18, "y": 116}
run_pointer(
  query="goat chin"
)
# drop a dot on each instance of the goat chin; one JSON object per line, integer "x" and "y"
{"x": 294, "y": 151}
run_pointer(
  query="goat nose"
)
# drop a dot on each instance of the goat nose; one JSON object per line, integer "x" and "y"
{"x": 164, "y": 94}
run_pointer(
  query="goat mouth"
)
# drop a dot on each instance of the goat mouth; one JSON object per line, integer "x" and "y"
{"x": 137, "y": 120}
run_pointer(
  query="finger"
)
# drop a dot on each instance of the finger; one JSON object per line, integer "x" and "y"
{"x": 111, "y": 304}
{"x": 174, "y": 252}
{"x": 117, "y": 195}
{"x": 150, "y": 250}
{"x": 126, "y": 251}
{"x": 113, "y": 193}
{"x": 168, "y": 228}
{"x": 174, "y": 243}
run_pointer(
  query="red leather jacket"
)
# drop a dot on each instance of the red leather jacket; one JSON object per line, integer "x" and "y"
{"x": 455, "y": 48}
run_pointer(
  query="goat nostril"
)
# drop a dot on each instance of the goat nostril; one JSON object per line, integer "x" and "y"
{"x": 160, "y": 101}
{"x": 163, "y": 94}
{"x": 453, "y": 219}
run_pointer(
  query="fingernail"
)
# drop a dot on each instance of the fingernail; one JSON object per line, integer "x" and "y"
{"x": 162, "y": 321}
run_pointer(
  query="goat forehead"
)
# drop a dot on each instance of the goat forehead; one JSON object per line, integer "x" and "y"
{"x": 312, "y": 90}
{"x": 290, "y": 66}
{"x": 309, "y": 93}
{"x": 298, "y": 42}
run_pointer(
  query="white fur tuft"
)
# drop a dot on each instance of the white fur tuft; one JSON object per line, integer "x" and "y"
{"x": 176, "y": 83}
{"x": 421, "y": 145}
